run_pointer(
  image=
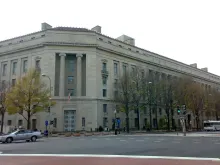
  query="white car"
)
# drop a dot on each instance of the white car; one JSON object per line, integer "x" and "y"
{"x": 18, "y": 135}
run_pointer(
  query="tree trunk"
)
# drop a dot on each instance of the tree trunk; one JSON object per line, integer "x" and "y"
{"x": 2, "y": 122}
{"x": 29, "y": 120}
{"x": 216, "y": 115}
{"x": 156, "y": 117}
{"x": 168, "y": 118}
{"x": 138, "y": 117}
{"x": 150, "y": 118}
{"x": 127, "y": 118}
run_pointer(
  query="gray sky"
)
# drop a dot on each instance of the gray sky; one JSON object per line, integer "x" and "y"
{"x": 184, "y": 30}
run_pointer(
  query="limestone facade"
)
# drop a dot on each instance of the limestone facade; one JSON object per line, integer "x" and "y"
{"x": 85, "y": 64}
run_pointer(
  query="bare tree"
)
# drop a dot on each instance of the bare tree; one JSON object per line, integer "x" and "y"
{"x": 4, "y": 88}
{"x": 124, "y": 96}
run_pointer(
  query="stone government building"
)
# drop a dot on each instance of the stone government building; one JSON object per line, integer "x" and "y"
{"x": 86, "y": 64}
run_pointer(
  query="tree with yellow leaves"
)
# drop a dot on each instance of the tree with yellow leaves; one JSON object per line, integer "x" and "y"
{"x": 28, "y": 96}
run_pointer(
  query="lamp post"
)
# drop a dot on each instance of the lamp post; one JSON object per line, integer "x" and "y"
{"x": 44, "y": 75}
{"x": 115, "y": 122}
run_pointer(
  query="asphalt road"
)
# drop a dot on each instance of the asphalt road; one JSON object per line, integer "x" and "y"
{"x": 208, "y": 147}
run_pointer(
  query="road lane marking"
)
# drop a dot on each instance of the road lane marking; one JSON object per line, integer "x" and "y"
{"x": 139, "y": 140}
{"x": 118, "y": 138}
{"x": 107, "y": 139}
{"x": 131, "y": 138}
{"x": 94, "y": 139}
{"x": 108, "y": 156}
{"x": 217, "y": 143}
{"x": 157, "y": 141}
{"x": 123, "y": 140}
{"x": 175, "y": 142}
{"x": 196, "y": 142}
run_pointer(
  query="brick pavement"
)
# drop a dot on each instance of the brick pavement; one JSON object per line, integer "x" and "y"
{"x": 53, "y": 160}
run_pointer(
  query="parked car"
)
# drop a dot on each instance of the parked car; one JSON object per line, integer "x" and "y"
{"x": 18, "y": 135}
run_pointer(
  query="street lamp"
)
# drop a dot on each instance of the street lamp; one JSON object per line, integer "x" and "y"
{"x": 115, "y": 122}
{"x": 44, "y": 75}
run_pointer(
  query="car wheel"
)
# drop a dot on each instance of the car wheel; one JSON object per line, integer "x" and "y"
{"x": 33, "y": 138}
{"x": 27, "y": 140}
{"x": 9, "y": 140}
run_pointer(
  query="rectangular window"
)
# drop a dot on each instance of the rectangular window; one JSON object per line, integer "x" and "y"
{"x": 116, "y": 94}
{"x": 104, "y": 92}
{"x": 13, "y": 82}
{"x": 9, "y": 122}
{"x": 132, "y": 71}
{"x": 104, "y": 66}
{"x": 104, "y": 108}
{"x": 70, "y": 79}
{"x": 14, "y": 68}
{"x": 83, "y": 122}
{"x": 55, "y": 122}
{"x": 105, "y": 122}
{"x": 115, "y": 69}
{"x": 117, "y": 108}
{"x": 4, "y": 70}
{"x": 136, "y": 122}
{"x": 145, "y": 110}
{"x": 37, "y": 63}
{"x": 25, "y": 63}
{"x": 3, "y": 83}
{"x": 20, "y": 123}
{"x": 160, "y": 111}
{"x": 124, "y": 69}
{"x": 71, "y": 65}
{"x": 71, "y": 92}
{"x": 142, "y": 75}
{"x": 104, "y": 81}
{"x": 145, "y": 122}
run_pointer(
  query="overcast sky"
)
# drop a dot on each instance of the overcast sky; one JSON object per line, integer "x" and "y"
{"x": 184, "y": 30}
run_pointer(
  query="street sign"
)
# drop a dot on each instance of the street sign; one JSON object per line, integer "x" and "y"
{"x": 46, "y": 123}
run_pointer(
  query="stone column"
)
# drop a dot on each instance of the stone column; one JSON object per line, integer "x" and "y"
{"x": 62, "y": 75}
{"x": 79, "y": 75}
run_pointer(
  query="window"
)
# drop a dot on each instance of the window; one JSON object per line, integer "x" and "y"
{"x": 104, "y": 80}
{"x": 25, "y": 66}
{"x": 104, "y": 108}
{"x": 124, "y": 68}
{"x": 55, "y": 122}
{"x": 133, "y": 71}
{"x": 14, "y": 67}
{"x": 9, "y": 122}
{"x": 20, "y": 123}
{"x": 105, "y": 122}
{"x": 117, "y": 108}
{"x": 104, "y": 92}
{"x": 13, "y": 82}
{"x": 104, "y": 66}
{"x": 3, "y": 83}
{"x": 4, "y": 71}
{"x": 70, "y": 79}
{"x": 145, "y": 122}
{"x": 116, "y": 94}
{"x": 71, "y": 92}
{"x": 115, "y": 69}
{"x": 83, "y": 122}
{"x": 116, "y": 83}
{"x": 160, "y": 111}
{"x": 136, "y": 122}
{"x": 71, "y": 65}
{"x": 145, "y": 110}
{"x": 37, "y": 63}
{"x": 142, "y": 75}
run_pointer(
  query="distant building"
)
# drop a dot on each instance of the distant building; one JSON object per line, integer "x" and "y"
{"x": 84, "y": 63}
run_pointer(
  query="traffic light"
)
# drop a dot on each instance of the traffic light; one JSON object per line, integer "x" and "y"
{"x": 184, "y": 109}
{"x": 178, "y": 109}
{"x": 51, "y": 122}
